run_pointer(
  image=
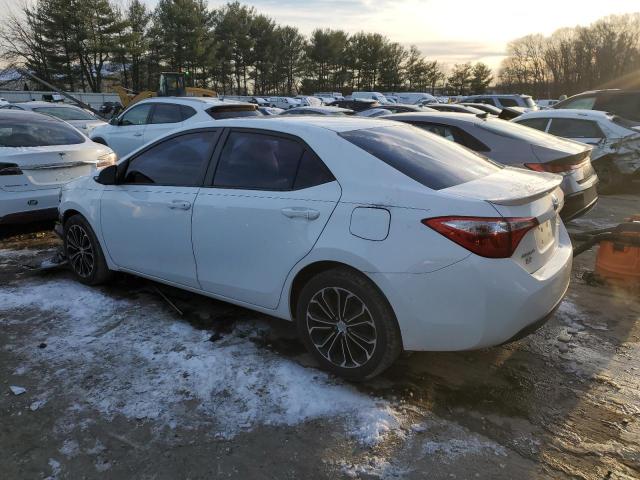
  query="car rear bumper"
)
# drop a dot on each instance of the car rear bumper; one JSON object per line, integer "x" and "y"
{"x": 577, "y": 204}
{"x": 29, "y": 206}
{"x": 477, "y": 302}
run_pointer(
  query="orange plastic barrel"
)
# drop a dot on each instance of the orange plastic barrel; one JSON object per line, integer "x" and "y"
{"x": 620, "y": 263}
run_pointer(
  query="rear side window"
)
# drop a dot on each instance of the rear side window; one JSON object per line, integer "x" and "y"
{"x": 537, "y": 123}
{"x": 187, "y": 112}
{"x": 257, "y": 161}
{"x": 455, "y": 134}
{"x": 233, "y": 111}
{"x": 179, "y": 161}
{"x": 36, "y": 132}
{"x": 571, "y": 128}
{"x": 65, "y": 113}
{"x": 430, "y": 160}
{"x": 166, "y": 113}
{"x": 625, "y": 105}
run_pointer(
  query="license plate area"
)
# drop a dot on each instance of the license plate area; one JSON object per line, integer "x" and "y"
{"x": 544, "y": 236}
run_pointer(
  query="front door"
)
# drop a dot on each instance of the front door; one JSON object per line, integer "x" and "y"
{"x": 146, "y": 218}
{"x": 268, "y": 204}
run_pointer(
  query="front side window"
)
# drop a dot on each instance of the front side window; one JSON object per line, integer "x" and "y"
{"x": 32, "y": 132}
{"x": 571, "y": 128}
{"x": 137, "y": 115}
{"x": 258, "y": 161}
{"x": 65, "y": 113}
{"x": 179, "y": 161}
{"x": 430, "y": 160}
{"x": 537, "y": 123}
{"x": 166, "y": 113}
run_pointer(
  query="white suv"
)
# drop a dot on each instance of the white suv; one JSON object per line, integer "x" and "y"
{"x": 153, "y": 118}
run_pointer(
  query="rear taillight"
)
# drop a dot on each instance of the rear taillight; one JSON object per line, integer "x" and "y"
{"x": 487, "y": 237}
{"x": 562, "y": 168}
{"x": 9, "y": 169}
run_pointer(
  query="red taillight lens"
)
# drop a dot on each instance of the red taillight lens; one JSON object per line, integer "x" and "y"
{"x": 553, "y": 167}
{"x": 487, "y": 237}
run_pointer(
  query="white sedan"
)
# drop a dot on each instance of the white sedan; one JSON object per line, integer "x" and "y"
{"x": 83, "y": 120}
{"x": 155, "y": 117}
{"x": 372, "y": 236}
{"x": 615, "y": 140}
{"x": 38, "y": 154}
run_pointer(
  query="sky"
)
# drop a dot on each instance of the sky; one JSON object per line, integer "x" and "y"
{"x": 451, "y": 31}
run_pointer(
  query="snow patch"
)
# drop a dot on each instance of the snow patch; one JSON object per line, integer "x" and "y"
{"x": 132, "y": 358}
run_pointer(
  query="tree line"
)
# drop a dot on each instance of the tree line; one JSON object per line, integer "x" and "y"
{"x": 605, "y": 54}
{"x": 84, "y": 44}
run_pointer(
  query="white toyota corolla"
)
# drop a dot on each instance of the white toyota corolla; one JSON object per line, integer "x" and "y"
{"x": 373, "y": 236}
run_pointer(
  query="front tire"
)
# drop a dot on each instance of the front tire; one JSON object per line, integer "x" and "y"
{"x": 84, "y": 253}
{"x": 347, "y": 324}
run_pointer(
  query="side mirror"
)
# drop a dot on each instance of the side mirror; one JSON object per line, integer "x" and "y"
{"x": 108, "y": 175}
{"x": 114, "y": 120}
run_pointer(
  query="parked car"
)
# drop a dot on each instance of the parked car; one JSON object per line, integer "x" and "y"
{"x": 3, "y": 102}
{"x": 270, "y": 111}
{"x": 377, "y": 96}
{"x": 485, "y": 107}
{"x": 80, "y": 118}
{"x": 355, "y": 105}
{"x": 309, "y": 101}
{"x": 374, "y": 237}
{"x": 321, "y": 110}
{"x": 284, "y": 102}
{"x": 625, "y": 103}
{"x": 615, "y": 140}
{"x": 504, "y": 100}
{"x": 152, "y": 118}
{"x": 328, "y": 97}
{"x": 454, "y": 107}
{"x": 395, "y": 108}
{"x": 519, "y": 146}
{"x": 545, "y": 103}
{"x": 38, "y": 154}
{"x": 414, "y": 98}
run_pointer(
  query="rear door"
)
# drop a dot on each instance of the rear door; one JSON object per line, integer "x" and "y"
{"x": 146, "y": 218}
{"x": 263, "y": 211}
{"x": 165, "y": 117}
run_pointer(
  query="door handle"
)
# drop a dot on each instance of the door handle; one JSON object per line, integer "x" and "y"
{"x": 137, "y": 134}
{"x": 179, "y": 205}
{"x": 297, "y": 212}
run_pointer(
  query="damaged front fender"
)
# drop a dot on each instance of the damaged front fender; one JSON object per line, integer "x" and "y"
{"x": 623, "y": 152}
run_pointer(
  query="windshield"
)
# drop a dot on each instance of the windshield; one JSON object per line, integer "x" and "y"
{"x": 66, "y": 113}
{"x": 33, "y": 132}
{"x": 426, "y": 158}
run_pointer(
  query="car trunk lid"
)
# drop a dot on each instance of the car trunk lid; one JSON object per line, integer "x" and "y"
{"x": 516, "y": 193}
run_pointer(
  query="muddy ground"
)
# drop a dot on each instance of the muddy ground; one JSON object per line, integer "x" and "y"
{"x": 118, "y": 384}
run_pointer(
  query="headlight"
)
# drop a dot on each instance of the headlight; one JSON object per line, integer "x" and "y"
{"x": 107, "y": 160}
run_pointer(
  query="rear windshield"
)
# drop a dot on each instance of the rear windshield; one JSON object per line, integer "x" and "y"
{"x": 65, "y": 113}
{"x": 519, "y": 132}
{"x": 426, "y": 158}
{"x": 37, "y": 133}
{"x": 233, "y": 111}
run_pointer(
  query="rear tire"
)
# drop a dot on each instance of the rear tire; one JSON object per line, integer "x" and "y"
{"x": 84, "y": 253}
{"x": 347, "y": 324}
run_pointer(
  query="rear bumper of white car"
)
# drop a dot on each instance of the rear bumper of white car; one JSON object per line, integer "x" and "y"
{"x": 28, "y": 206}
{"x": 477, "y": 302}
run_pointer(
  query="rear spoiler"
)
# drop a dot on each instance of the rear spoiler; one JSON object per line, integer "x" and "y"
{"x": 534, "y": 194}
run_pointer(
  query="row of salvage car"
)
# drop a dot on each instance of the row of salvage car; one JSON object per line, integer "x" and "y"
{"x": 434, "y": 231}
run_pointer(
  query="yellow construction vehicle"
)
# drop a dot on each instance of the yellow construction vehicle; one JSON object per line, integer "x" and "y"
{"x": 171, "y": 85}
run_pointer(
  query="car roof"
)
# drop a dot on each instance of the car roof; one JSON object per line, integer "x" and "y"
{"x": 26, "y": 115}
{"x": 205, "y": 101}
{"x": 568, "y": 113}
{"x": 40, "y": 104}
{"x": 298, "y": 124}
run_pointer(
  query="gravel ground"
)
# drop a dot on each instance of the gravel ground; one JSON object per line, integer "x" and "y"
{"x": 118, "y": 384}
